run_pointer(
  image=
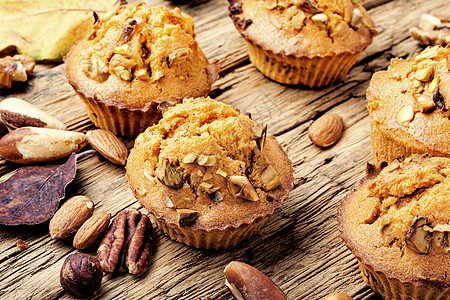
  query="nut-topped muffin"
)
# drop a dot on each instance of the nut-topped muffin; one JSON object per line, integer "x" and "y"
{"x": 208, "y": 175}
{"x": 308, "y": 42}
{"x": 397, "y": 224}
{"x": 135, "y": 58}
{"x": 409, "y": 106}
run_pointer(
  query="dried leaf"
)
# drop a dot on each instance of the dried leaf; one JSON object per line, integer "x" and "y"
{"x": 47, "y": 29}
{"x": 31, "y": 196}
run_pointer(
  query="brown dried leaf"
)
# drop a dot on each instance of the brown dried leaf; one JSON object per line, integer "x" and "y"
{"x": 31, "y": 196}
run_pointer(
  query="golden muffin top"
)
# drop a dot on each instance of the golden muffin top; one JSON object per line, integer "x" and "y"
{"x": 205, "y": 156}
{"x": 411, "y": 99}
{"x": 399, "y": 220}
{"x": 304, "y": 27}
{"x": 138, "y": 54}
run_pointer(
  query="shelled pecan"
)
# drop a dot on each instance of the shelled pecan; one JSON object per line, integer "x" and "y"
{"x": 127, "y": 246}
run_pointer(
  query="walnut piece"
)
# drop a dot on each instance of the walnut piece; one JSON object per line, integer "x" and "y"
{"x": 15, "y": 68}
{"x": 432, "y": 31}
{"x": 127, "y": 246}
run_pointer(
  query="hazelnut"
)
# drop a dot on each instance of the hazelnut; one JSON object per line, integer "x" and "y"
{"x": 81, "y": 275}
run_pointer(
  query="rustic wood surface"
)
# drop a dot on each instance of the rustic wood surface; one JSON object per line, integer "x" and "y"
{"x": 299, "y": 247}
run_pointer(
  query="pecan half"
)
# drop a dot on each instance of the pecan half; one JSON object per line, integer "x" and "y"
{"x": 127, "y": 246}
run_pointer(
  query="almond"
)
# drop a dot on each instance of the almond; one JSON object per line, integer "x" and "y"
{"x": 326, "y": 130}
{"x": 108, "y": 145}
{"x": 15, "y": 113}
{"x": 91, "y": 231}
{"x": 28, "y": 145}
{"x": 70, "y": 216}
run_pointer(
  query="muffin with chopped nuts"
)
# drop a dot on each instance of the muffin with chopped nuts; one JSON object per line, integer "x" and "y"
{"x": 408, "y": 105}
{"x": 308, "y": 42}
{"x": 209, "y": 176}
{"x": 397, "y": 224}
{"x": 134, "y": 59}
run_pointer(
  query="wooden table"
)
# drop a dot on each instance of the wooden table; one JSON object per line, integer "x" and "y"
{"x": 299, "y": 247}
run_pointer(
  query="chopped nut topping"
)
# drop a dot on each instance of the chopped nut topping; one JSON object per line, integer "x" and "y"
{"x": 207, "y": 160}
{"x": 270, "y": 178}
{"x": 124, "y": 49}
{"x": 207, "y": 187}
{"x": 433, "y": 85}
{"x": 270, "y": 4}
{"x": 22, "y": 245}
{"x": 417, "y": 239}
{"x": 297, "y": 20}
{"x": 426, "y": 103}
{"x": 142, "y": 75}
{"x": 179, "y": 55}
{"x": 424, "y": 74}
{"x": 167, "y": 201}
{"x": 240, "y": 186}
{"x": 356, "y": 18}
{"x": 221, "y": 172}
{"x": 320, "y": 20}
{"x": 406, "y": 114}
{"x": 123, "y": 73}
{"x": 207, "y": 175}
{"x": 168, "y": 175}
{"x": 444, "y": 90}
{"x": 186, "y": 217}
{"x": 428, "y": 53}
{"x": 190, "y": 158}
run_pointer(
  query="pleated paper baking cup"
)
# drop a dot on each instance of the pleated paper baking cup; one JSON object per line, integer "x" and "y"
{"x": 385, "y": 149}
{"x": 213, "y": 239}
{"x": 120, "y": 121}
{"x": 394, "y": 289}
{"x": 309, "y": 71}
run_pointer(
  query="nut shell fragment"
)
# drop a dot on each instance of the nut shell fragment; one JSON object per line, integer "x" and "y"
{"x": 108, "y": 145}
{"x": 240, "y": 186}
{"x": 186, "y": 217}
{"x": 248, "y": 283}
{"x": 417, "y": 238}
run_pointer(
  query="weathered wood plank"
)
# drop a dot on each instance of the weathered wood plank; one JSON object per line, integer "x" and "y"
{"x": 299, "y": 247}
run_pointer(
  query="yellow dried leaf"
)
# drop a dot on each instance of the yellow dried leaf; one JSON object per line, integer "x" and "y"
{"x": 47, "y": 29}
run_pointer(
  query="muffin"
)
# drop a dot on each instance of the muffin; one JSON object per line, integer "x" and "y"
{"x": 312, "y": 43}
{"x": 397, "y": 225}
{"x": 135, "y": 58}
{"x": 209, "y": 176}
{"x": 408, "y": 106}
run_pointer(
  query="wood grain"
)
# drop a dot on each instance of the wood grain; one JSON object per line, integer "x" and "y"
{"x": 299, "y": 247}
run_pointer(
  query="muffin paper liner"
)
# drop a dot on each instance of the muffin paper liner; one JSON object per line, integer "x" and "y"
{"x": 384, "y": 149}
{"x": 394, "y": 289}
{"x": 214, "y": 239}
{"x": 309, "y": 71}
{"x": 120, "y": 121}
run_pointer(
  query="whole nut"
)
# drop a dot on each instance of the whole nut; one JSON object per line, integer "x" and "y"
{"x": 247, "y": 283}
{"x": 16, "y": 113}
{"x": 91, "y": 231}
{"x": 127, "y": 246}
{"x": 70, "y": 216}
{"x": 108, "y": 145}
{"x": 337, "y": 296}
{"x": 81, "y": 275}
{"x": 326, "y": 130}
{"x": 28, "y": 145}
